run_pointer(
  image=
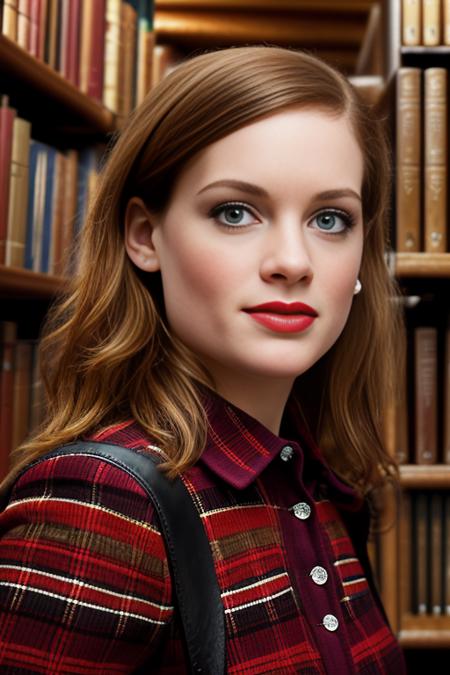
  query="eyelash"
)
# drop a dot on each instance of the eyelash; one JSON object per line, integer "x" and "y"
{"x": 348, "y": 218}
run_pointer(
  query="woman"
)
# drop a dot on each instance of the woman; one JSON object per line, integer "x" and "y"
{"x": 231, "y": 312}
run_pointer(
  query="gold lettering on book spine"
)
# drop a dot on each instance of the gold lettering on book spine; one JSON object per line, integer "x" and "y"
{"x": 436, "y": 160}
{"x": 408, "y": 192}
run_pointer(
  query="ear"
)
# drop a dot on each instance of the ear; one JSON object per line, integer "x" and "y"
{"x": 139, "y": 227}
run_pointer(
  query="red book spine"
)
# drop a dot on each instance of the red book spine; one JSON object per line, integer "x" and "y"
{"x": 73, "y": 46}
{"x": 97, "y": 56}
{"x": 7, "y": 116}
{"x": 35, "y": 12}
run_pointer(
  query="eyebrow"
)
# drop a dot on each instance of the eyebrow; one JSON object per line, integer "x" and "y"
{"x": 252, "y": 189}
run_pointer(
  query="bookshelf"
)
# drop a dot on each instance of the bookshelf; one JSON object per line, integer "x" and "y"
{"x": 423, "y": 633}
{"x": 347, "y": 33}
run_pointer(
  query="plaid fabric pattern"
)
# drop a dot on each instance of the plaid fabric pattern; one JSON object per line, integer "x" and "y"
{"x": 84, "y": 580}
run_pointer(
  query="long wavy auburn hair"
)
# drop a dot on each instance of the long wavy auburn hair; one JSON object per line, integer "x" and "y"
{"x": 107, "y": 353}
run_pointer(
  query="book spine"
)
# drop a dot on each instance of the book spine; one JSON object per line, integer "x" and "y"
{"x": 408, "y": 151}
{"x": 51, "y": 41}
{"x": 34, "y": 27}
{"x": 411, "y": 34}
{"x": 73, "y": 44}
{"x": 18, "y": 194}
{"x": 23, "y": 24}
{"x": 97, "y": 53}
{"x": 435, "y": 126}
{"x": 43, "y": 8}
{"x": 7, "y": 116}
{"x": 436, "y": 553}
{"x": 446, "y": 21}
{"x": 9, "y": 24}
{"x": 112, "y": 47}
{"x": 426, "y": 395}
{"x": 431, "y": 22}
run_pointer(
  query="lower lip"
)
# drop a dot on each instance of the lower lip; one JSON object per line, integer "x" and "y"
{"x": 283, "y": 323}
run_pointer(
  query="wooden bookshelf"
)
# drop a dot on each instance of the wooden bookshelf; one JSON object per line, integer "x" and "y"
{"x": 15, "y": 281}
{"x": 422, "y": 265}
{"x": 42, "y": 92}
{"x": 435, "y": 476}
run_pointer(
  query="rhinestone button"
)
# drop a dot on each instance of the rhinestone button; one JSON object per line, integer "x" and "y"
{"x": 330, "y": 622}
{"x": 287, "y": 453}
{"x": 319, "y": 575}
{"x": 302, "y": 510}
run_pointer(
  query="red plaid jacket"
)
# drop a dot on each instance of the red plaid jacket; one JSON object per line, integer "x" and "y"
{"x": 85, "y": 586}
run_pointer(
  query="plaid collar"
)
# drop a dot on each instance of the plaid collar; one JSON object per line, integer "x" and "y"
{"x": 239, "y": 448}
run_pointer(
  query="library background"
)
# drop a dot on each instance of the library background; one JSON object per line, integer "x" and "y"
{"x": 71, "y": 70}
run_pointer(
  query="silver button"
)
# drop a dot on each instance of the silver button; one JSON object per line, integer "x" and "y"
{"x": 287, "y": 453}
{"x": 319, "y": 575}
{"x": 302, "y": 510}
{"x": 330, "y": 622}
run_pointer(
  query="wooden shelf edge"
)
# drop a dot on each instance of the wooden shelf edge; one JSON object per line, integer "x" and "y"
{"x": 30, "y": 70}
{"x": 425, "y": 475}
{"x": 424, "y": 639}
{"x": 422, "y": 264}
{"x": 26, "y": 283}
{"x": 421, "y": 49}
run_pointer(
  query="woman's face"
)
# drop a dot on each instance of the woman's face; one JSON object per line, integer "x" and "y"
{"x": 269, "y": 214}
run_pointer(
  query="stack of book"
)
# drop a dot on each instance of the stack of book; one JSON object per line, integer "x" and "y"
{"x": 422, "y": 160}
{"x": 44, "y": 193}
{"x": 425, "y": 22}
{"x": 103, "y": 47}
{"x": 21, "y": 395}
{"x": 426, "y": 543}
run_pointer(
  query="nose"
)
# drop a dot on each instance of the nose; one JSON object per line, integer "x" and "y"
{"x": 286, "y": 256}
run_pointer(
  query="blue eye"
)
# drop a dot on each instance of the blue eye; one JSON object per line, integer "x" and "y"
{"x": 334, "y": 222}
{"x": 233, "y": 215}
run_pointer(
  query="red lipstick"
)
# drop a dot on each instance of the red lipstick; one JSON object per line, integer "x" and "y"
{"x": 281, "y": 317}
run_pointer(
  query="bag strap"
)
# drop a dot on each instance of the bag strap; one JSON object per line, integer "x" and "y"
{"x": 190, "y": 559}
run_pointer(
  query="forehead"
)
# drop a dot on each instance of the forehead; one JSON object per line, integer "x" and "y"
{"x": 293, "y": 146}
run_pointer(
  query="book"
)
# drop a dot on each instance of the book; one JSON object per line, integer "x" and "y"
{"x": 127, "y": 65}
{"x": 97, "y": 57}
{"x": 411, "y": 22}
{"x": 425, "y": 383}
{"x": 9, "y": 23}
{"x": 406, "y": 553}
{"x": 112, "y": 54}
{"x": 435, "y": 160}
{"x": 51, "y": 34}
{"x": 7, "y": 116}
{"x": 408, "y": 151}
{"x": 431, "y": 22}
{"x": 446, "y": 21}
{"x": 420, "y": 558}
{"x": 18, "y": 194}
{"x": 436, "y": 553}
{"x": 145, "y": 42}
{"x": 72, "y": 45}
{"x": 23, "y": 24}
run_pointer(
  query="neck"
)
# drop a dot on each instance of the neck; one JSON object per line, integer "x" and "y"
{"x": 262, "y": 398}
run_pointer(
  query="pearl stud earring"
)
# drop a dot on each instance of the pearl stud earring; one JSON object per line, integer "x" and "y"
{"x": 358, "y": 287}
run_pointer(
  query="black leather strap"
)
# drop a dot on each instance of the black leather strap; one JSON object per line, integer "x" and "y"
{"x": 188, "y": 549}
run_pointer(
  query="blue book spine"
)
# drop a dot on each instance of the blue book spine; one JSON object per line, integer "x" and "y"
{"x": 34, "y": 150}
{"x": 48, "y": 209}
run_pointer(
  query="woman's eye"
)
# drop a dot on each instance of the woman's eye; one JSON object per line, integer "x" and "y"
{"x": 334, "y": 222}
{"x": 233, "y": 215}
